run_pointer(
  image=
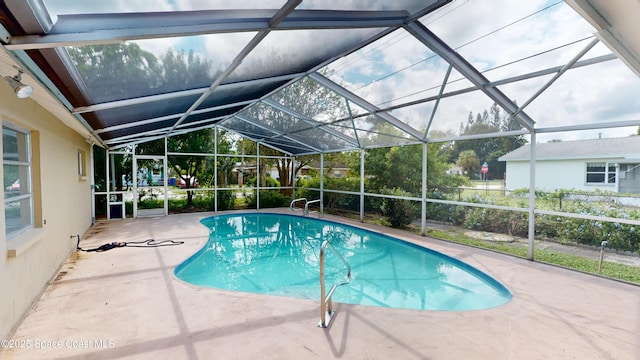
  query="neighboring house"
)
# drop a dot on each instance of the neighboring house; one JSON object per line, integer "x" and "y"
{"x": 454, "y": 170}
{"x": 245, "y": 171}
{"x": 47, "y": 200}
{"x": 611, "y": 164}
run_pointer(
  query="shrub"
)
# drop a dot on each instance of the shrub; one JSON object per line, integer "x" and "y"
{"x": 452, "y": 214}
{"x": 331, "y": 200}
{"x": 495, "y": 220}
{"x": 226, "y": 200}
{"x": 268, "y": 199}
{"x": 269, "y": 182}
{"x": 548, "y": 226}
{"x": 399, "y": 212}
{"x": 203, "y": 201}
{"x": 150, "y": 204}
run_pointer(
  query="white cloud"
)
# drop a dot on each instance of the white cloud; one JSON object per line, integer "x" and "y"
{"x": 606, "y": 92}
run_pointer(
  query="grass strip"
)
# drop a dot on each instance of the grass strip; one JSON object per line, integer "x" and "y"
{"x": 609, "y": 269}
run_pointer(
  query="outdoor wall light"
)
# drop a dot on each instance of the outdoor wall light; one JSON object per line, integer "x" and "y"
{"x": 22, "y": 91}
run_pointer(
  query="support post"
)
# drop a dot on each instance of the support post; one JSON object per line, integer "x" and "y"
{"x": 110, "y": 180}
{"x": 165, "y": 172}
{"x": 321, "y": 182}
{"x": 258, "y": 176}
{"x": 362, "y": 153}
{"x": 92, "y": 181}
{"x": 135, "y": 181}
{"x": 215, "y": 169}
{"x": 532, "y": 195}
{"x": 425, "y": 150}
{"x": 292, "y": 177}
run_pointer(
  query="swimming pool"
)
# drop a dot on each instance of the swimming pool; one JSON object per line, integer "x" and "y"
{"x": 278, "y": 254}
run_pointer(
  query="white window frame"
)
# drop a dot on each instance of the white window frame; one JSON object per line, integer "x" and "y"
{"x": 610, "y": 177}
{"x": 26, "y": 216}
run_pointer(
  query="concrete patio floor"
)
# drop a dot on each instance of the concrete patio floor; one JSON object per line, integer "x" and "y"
{"x": 127, "y": 304}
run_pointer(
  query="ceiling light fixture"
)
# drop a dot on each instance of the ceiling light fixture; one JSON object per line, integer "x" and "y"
{"x": 22, "y": 91}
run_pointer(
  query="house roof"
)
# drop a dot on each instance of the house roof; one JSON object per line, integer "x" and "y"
{"x": 259, "y": 57}
{"x": 624, "y": 148}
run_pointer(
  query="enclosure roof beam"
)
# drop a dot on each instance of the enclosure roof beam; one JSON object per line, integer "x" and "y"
{"x": 275, "y": 148}
{"x": 531, "y": 75}
{"x": 165, "y": 131}
{"x": 276, "y": 132}
{"x": 169, "y": 117}
{"x": 109, "y": 28}
{"x": 136, "y": 137}
{"x": 366, "y": 105}
{"x": 439, "y": 47}
{"x": 177, "y": 94}
{"x": 480, "y": 136}
{"x": 558, "y": 74}
{"x": 258, "y": 141}
{"x": 308, "y": 120}
{"x": 591, "y": 126}
{"x": 435, "y": 106}
{"x": 248, "y": 48}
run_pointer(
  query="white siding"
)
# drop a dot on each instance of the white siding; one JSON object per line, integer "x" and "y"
{"x": 62, "y": 202}
{"x": 553, "y": 175}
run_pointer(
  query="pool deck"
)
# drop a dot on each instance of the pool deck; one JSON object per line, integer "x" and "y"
{"x": 127, "y": 304}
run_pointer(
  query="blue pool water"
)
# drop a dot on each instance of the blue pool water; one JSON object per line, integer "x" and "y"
{"x": 279, "y": 255}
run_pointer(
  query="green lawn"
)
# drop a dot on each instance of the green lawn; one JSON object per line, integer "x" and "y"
{"x": 609, "y": 269}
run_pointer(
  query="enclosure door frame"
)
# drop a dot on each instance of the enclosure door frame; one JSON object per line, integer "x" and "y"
{"x": 164, "y": 191}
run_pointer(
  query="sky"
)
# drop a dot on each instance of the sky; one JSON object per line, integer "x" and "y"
{"x": 517, "y": 39}
{"x": 488, "y": 39}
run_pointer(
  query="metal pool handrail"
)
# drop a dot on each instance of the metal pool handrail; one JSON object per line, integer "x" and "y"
{"x": 295, "y": 201}
{"x": 326, "y": 304}
{"x": 305, "y": 210}
{"x": 306, "y": 206}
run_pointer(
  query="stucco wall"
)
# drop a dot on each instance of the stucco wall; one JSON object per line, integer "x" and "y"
{"x": 62, "y": 206}
{"x": 553, "y": 175}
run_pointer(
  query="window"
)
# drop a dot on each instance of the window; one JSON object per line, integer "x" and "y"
{"x": 18, "y": 196}
{"x": 601, "y": 173}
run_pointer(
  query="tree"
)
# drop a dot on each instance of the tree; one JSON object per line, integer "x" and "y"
{"x": 401, "y": 167}
{"x": 115, "y": 71}
{"x": 311, "y": 103}
{"x": 281, "y": 161}
{"x": 494, "y": 120}
{"x": 397, "y": 170}
{"x": 180, "y": 72}
{"x": 395, "y": 167}
{"x": 340, "y": 158}
{"x": 189, "y": 166}
{"x": 468, "y": 161}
